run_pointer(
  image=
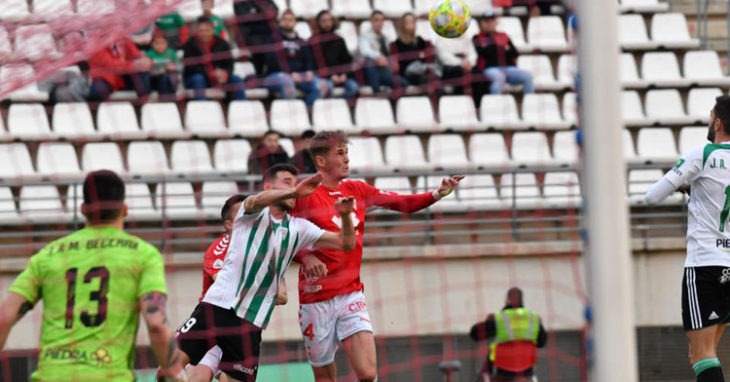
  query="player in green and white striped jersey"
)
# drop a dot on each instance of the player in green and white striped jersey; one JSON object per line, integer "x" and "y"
{"x": 264, "y": 240}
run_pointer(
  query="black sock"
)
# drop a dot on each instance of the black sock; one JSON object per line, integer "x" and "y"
{"x": 713, "y": 374}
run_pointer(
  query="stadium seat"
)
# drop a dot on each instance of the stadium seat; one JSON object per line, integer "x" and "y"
{"x": 28, "y": 121}
{"x": 700, "y": 101}
{"x": 365, "y": 154}
{"x": 73, "y": 120}
{"x": 397, "y": 184}
{"x": 189, "y": 9}
{"x": 51, "y": 9}
{"x": 500, "y": 111}
{"x": 547, "y": 34}
{"x": 14, "y": 10}
{"x": 403, "y": 152}
{"x": 95, "y": 8}
{"x": 224, "y": 9}
{"x": 670, "y": 30}
{"x": 348, "y": 31}
{"x": 478, "y": 192}
{"x": 703, "y": 69}
{"x": 567, "y": 68}
{"x": 542, "y": 72}
{"x": 3, "y": 134}
{"x": 478, "y": 7}
{"x": 162, "y": 120}
{"x": 42, "y": 204}
{"x": 639, "y": 183}
{"x": 643, "y": 6}
{"x": 288, "y": 146}
{"x": 457, "y": 112}
{"x": 99, "y": 156}
{"x": 303, "y": 29}
{"x": 356, "y": 9}
{"x": 307, "y": 8}
{"x": 16, "y": 159}
{"x": 117, "y": 119}
{"x": 542, "y": 112}
{"x": 570, "y": 108}
{"x": 215, "y": 195}
{"x": 139, "y": 202}
{"x": 14, "y": 75}
{"x": 374, "y": 115}
{"x": 447, "y": 150}
{"x": 565, "y": 147}
{"x": 332, "y": 114}
{"x": 247, "y": 118}
{"x": 530, "y": 148}
{"x": 147, "y": 158}
{"x": 656, "y": 144}
{"x": 562, "y": 190}
{"x": 665, "y": 107}
{"x": 662, "y": 70}
{"x": 189, "y": 157}
{"x": 520, "y": 190}
{"x": 632, "y": 111}
{"x": 205, "y": 118}
{"x": 512, "y": 26}
{"x": 57, "y": 159}
{"x": 629, "y": 74}
{"x": 632, "y": 33}
{"x": 35, "y": 42}
{"x": 7, "y": 205}
{"x": 231, "y": 155}
{"x": 289, "y": 116}
{"x": 416, "y": 114}
{"x": 176, "y": 200}
{"x": 244, "y": 69}
{"x": 422, "y": 7}
{"x": 692, "y": 137}
{"x": 629, "y": 152}
{"x": 6, "y": 48}
{"x": 393, "y": 8}
{"x": 488, "y": 149}
{"x": 388, "y": 30}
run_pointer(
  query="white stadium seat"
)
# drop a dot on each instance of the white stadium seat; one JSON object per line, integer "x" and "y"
{"x": 404, "y": 152}
{"x": 632, "y": 111}
{"x": 13, "y": 75}
{"x": 669, "y": 30}
{"x": 700, "y": 101}
{"x": 627, "y": 144}
{"x": 398, "y": 184}
{"x": 117, "y": 118}
{"x": 665, "y": 107}
{"x": 565, "y": 147}
{"x": 547, "y": 34}
{"x": 365, "y": 153}
{"x": 629, "y": 73}
{"x": 458, "y": 112}
{"x": 215, "y": 194}
{"x": 57, "y": 159}
{"x": 632, "y": 33}
{"x": 639, "y": 183}
{"x": 161, "y": 119}
{"x": 42, "y": 203}
{"x": 307, "y": 8}
{"x": 247, "y": 118}
{"x": 231, "y": 155}
{"x": 190, "y": 157}
{"x": 6, "y": 47}
{"x": 530, "y": 148}
{"x": 303, "y": 29}
{"x": 488, "y": 149}
{"x": 176, "y": 200}
{"x": 288, "y": 146}
{"x": 691, "y": 138}
{"x": 562, "y": 190}
{"x": 644, "y": 6}
{"x": 374, "y": 115}
{"x": 147, "y": 158}
{"x": 95, "y": 8}
{"x": 14, "y": 10}
{"x": 542, "y": 71}
{"x": 35, "y": 42}
{"x": 351, "y": 8}
{"x": 189, "y": 9}
{"x": 512, "y": 26}
{"x": 102, "y": 156}
{"x": 520, "y": 190}
{"x": 73, "y": 120}
{"x": 332, "y": 114}
{"x": 139, "y": 201}
{"x": 567, "y": 68}
{"x": 224, "y": 9}
{"x": 348, "y": 31}
{"x": 205, "y": 118}
{"x": 28, "y": 121}
{"x": 289, "y": 116}
{"x": 51, "y": 9}
{"x": 393, "y": 8}
{"x": 661, "y": 69}
{"x": 542, "y": 111}
{"x": 500, "y": 111}
{"x": 7, "y": 205}
{"x": 416, "y": 114}
{"x": 656, "y": 145}
{"x": 16, "y": 160}
{"x": 422, "y": 7}
{"x": 447, "y": 150}
{"x": 703, "y": 68}
{"x": 570, "y": 108}
{"x": 480, "y": 192}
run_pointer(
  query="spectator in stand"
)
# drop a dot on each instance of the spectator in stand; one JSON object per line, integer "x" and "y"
{"x": 209, "y": 63}
{"x": 331, "y": 57}
{"x": 219, "y": 27}
{"x": 498, "y": 57}
{"x": 412, "y": 53}
{"x": 291, "y": 66}
{"x": 257, "y": 25}
{"x": 455, "y": 58}
{"x": 174, "y": 28}
{"x": 119, "y": 66}
{"x": 302, "y": 160}
{"x": 374, "y": 48}
{"x": 164, "y": 74}
{"x": 268, "y": 153}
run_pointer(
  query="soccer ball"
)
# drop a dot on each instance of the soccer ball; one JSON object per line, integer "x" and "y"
{"x": 449, "y": 18}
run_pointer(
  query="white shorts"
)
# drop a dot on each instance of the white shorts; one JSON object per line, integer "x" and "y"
{"x": 324, "y": 324}
{"x": 212, "y": 359}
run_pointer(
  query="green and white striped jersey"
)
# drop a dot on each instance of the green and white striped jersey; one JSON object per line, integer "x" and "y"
{"x": 261, "y": 249}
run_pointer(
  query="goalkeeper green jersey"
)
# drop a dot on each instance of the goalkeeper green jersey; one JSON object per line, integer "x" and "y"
{"x": 90, "y": 283}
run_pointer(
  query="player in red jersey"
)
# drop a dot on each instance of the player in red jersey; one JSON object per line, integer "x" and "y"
{"x": 332, "y": 308}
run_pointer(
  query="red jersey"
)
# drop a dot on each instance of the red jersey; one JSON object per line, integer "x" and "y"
{"x": 343, "y": 268}
{"x": 213, "y": 260}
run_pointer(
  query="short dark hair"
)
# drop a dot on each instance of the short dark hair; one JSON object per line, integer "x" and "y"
{"x": 287, "y": 11}
{"x": 270, "y": 132}
{"x": 309, "y": 133}
{"x": 325, "y": 140}
{"x": 271, "y": 172}
{"x": 226, "y": 210}
{"x": 204, "y": 20}
{"x": 103, "y": 196}
{"x": 376, "y": 13}
{"x": 722, "y": 112}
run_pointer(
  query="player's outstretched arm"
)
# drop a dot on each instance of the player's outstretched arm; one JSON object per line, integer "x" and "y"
{"x": 412, "y": 203}
{"x": 162, "y": 338}
{"x": 261, "y": 200}
{"x": 13, "y": 308}
{"x": 345, "y": 240}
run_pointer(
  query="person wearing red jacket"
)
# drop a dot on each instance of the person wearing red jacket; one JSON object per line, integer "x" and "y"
{"x": 119, "y": 66}
{"x": 332, "y": 307}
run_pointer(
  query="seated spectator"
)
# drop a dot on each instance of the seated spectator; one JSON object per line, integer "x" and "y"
{"x": 268, "y": 153}
{"x": 412, "y": 54}
{"x": 302, "y": 160}
{"x": 173, "y": 26}
{"x": 374, "y": 48}
{"x": 256, "y": 22}
{"x": 454, "y": 60}
{"x": 209, "y": 63}
{"x": 219, "y": 27}
{"x": 164, "y": 75}
{"x": 497, "y": 57}
{"x": 119, "y": 66}
{"x": 291, "y": 67}
{"x": 331, "y": 57}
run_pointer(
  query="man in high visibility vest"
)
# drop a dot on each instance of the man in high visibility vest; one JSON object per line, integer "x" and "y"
{"x": 516, "y": 333}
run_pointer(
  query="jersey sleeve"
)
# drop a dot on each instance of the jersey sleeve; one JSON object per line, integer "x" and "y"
{"x": 394, "y": 201}
{"x": 308, "y": 232}
{"x": 687, "y": 168}
{"x": 28, "y": 282}
{"x": 209, "y": 260}
{"x": 153, "y": 273}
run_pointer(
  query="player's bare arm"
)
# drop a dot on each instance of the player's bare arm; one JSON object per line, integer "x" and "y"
{"x": 162, "y": 338}
{"x": 13, "y": 308}
{"x": 282, "y": 297}
{"x": 265, "y": 198}
{"x": 345, "y": 239}
{"x": 448, "y": 185}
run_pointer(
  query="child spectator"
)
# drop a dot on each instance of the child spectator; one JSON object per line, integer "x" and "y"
{"x": 164, "y": 74}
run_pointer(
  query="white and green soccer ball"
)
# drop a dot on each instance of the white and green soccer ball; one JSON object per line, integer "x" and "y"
{"x": 449, "y": 18}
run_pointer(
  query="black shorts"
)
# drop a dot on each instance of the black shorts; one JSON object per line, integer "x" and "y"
{"x": 239, "y": 340}
{"x": 705, "y": 297}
